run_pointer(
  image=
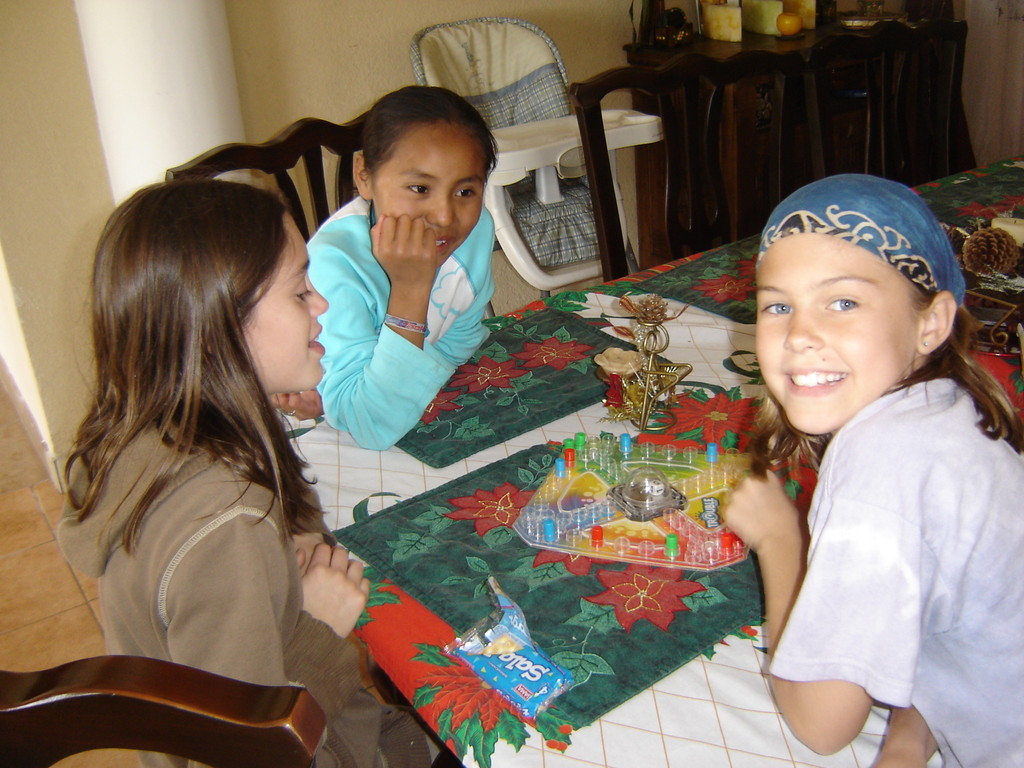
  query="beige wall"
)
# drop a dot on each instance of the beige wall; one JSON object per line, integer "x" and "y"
{"x": 54, "y": 197}
{"x": 328, "y": 58}
{"x": 333, "y": 58}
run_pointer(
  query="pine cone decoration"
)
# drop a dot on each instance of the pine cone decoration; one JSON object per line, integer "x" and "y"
{"x": 990, "y": 250}
{"x": 957, "y": 237}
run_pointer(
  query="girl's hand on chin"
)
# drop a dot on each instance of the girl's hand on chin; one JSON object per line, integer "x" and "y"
{"x": 407, "y": 250}
{"x": 759, "y": 510}
{"x": 333, "y": 587}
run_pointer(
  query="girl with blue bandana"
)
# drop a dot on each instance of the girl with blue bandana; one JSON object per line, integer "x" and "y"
{"x": 905, "y": 584}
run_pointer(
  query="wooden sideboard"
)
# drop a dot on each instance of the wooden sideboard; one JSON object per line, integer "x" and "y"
{"x": 650, "y": 56}
{"x": 745, "y": 136}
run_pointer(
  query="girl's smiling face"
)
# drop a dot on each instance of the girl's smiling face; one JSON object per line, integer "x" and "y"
{"x": 837, "y": 327}
{"x": 436, "y": 172}
{"x": 281, "y": 330}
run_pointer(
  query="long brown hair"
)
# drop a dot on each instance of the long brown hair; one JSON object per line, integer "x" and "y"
{"x": 179, "y": 268}
{"x": 777, "y": 442}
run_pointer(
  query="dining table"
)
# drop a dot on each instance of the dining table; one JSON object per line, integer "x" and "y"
{"x": 668, "y": 664}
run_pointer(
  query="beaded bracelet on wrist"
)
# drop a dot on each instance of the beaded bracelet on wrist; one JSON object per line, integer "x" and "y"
{"x": 408, "y": 325}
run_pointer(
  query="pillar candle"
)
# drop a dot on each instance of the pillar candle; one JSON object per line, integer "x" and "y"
{"x": 722, "y": 22}
{"x": 1014, "y": 226}
{"x": 759, "y": 16}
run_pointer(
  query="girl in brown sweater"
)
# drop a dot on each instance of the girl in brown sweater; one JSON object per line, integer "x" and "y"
{"x": 185, "y": 498}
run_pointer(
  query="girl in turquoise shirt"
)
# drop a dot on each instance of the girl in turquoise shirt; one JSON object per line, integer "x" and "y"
{"x": 405, "y": 267}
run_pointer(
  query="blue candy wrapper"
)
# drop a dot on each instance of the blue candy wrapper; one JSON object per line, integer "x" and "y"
{"x": 499, "y": 649}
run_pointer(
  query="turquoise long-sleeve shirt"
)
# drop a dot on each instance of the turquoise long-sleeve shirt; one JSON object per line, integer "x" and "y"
{"x": 376, "y": 384}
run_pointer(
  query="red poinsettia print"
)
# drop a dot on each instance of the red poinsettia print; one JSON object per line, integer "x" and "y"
{"x": 715, "y": 417}
{"x": 578, "y": 565}
{"x": 992, "y": 210}
{"x": 551, "y": 352}
{"x": 464, "y": 694}
{"x": 800, "y": 481}
{"x": 490, "y": 509}
{"x": 486, "y": 373}
{"x": 645, "y": 592}
{"x": 737, "y": 286}
{"x": 444, "y": 401}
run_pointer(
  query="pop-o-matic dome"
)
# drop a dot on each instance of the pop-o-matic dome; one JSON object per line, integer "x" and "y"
{"x": 645, "y": 494}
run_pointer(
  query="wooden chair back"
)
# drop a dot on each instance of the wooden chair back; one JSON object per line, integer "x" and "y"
{"x": 926, "y": 90}
{"x": 903, "y": 81}
{"x": 844, "y": 76}
{"x": 687, "y": 93}
{"x": 311, "y": 193}
{"x": 130, "y": 702}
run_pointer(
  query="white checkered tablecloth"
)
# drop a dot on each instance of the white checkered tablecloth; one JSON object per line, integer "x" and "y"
{"x": 347, "y": 474}
{"x": 710, "y": 713}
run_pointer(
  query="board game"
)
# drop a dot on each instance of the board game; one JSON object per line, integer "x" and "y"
{"x": 613, "y": 499}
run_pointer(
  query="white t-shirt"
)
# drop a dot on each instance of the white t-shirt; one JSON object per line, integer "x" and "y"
{"x": 915, "y": 580}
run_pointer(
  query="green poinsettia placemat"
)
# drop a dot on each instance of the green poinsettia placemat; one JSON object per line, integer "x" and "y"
{"x": 617, "y": 627}
{"x": 994, "y": 190}
{"x": 720, "y": 281}
{"x": 527, "y": 373}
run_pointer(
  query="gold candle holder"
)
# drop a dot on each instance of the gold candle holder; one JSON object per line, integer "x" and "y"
{"x": 647, "y": 392}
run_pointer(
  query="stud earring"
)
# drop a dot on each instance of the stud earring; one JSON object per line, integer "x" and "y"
{"x": 926, "y": 343}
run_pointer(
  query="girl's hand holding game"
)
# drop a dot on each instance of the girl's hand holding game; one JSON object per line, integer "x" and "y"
{"x": 334, "y": 589}
{"x": 759, "y": 510}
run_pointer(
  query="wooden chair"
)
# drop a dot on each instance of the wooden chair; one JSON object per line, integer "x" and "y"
{"x": 928, "y": 140}
{"x": 903, "y": 81}
{"x": 130, "y": 702}
{"x": 303, "y": 142}
{"x": 844, "y": 76}
{"x": 688, "y": 93}
{"x": 929, "y": 9}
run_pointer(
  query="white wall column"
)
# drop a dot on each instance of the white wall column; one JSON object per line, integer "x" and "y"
{"x": 163, "y": 84}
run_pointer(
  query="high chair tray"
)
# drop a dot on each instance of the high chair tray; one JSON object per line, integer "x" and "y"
{"x": 528, "y": 146}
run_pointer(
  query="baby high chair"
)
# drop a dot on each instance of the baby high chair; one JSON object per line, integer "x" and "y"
{"x": 512, "y": 72}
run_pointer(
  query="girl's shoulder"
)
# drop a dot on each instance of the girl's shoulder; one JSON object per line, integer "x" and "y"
{"x": 354, "y": 207}
{"x": 343, "y": 243}
{"x": 933, "y": 421}
{"x": 348, "y": 226}
{"x": 199, "y": 488}
{"x": 912, "y": 408}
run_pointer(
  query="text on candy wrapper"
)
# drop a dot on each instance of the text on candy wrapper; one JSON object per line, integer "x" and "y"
{"x": 527, "y": 669}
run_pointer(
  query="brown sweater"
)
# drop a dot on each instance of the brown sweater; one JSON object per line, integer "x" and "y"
{"x": 213, "y": 583}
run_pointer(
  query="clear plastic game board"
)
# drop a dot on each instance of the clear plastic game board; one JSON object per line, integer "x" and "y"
{"x": 612, "y": 499}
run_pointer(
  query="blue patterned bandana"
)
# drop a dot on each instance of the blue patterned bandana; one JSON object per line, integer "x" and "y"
{"x": 882, "y": 217}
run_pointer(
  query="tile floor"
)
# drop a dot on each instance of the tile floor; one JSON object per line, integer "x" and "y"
{"x": 48, "y": 612}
